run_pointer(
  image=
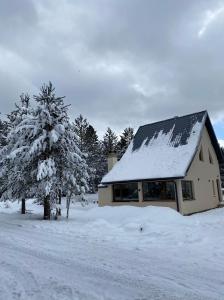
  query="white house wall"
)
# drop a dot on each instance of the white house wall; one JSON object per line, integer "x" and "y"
{"x": 202, "y": 173}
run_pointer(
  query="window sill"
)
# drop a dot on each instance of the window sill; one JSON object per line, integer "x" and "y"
{"x": 189, "y": 199}
{"x": 125, "y": 200}
{"x": 158, "y": 200}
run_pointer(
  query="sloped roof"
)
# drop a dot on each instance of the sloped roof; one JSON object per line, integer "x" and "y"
{"x": 163, "y": 149}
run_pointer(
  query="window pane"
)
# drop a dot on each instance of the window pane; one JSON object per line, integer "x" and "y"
{"x": 187, "y": 190}
{"x": 117, "y": 192}
{"x": 126, "y": 192}
{"x": 201, "y": 156}
{"x": 210, "y": 157}
{"x": 151, "y": 190}
{"x": 170, "y": 190}
{"x": 158, "y": 190}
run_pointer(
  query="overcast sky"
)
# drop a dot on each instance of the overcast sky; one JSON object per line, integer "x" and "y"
{"x": 118, "y": 62}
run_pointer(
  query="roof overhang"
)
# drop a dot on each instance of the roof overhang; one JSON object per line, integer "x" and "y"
{"x": 143, "y": 180}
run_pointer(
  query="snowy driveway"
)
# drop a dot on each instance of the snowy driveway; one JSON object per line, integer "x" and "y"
{"x": 51, "y": 260}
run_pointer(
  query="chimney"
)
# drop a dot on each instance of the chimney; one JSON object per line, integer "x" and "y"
{"x": 111, "y": 160}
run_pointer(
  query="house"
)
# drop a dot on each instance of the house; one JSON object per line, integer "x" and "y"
{"x": 172, "y": 163}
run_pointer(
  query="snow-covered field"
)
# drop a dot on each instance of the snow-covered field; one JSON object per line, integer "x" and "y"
{"x": 111, "y": 253}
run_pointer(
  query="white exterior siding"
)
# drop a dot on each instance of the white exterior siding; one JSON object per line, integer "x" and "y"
{"x": 202, "y": 173}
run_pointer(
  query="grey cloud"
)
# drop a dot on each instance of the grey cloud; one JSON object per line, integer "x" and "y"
{"x": 120, "y": 63}
{"x": 17, "y": 21}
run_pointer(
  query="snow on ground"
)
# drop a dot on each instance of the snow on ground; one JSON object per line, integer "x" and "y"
{"x": 111, "y": 253}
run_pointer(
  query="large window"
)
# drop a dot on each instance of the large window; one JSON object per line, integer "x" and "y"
{"x": 158, "y": 190}
{"x": 187, "y": 190}
{"x": 125, "y": 192}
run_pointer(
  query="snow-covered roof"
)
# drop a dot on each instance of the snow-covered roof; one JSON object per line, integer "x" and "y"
{"x": 163, "y": 149}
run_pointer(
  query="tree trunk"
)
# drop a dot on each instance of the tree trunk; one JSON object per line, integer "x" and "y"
{"x": 68, "y": 200}
{"x": 23, "y": 206}
{"x": 47, "y": 209}
{"x": 59, "y": 202}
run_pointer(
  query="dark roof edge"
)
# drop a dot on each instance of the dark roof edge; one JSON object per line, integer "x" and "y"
{"x": 215, "y": 143}
{"x": 146, "y": 179}
{"x": 199, "y": 112}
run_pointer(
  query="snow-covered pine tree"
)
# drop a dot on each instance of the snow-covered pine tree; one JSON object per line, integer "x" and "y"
{"x": 125, "y": 139}
{"x": 3, "y": 133}
{"x": 15, "y": 177}
{"x": 54, "y": 156}
{"x": 91, "y": 147}
{"x": 21, "y": 109}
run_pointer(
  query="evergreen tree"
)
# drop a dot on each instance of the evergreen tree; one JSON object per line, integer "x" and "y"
{"x": 110, "y": 142}
{"x": 125, "y": 139}
{"x": 93, "y": 150}
{"x": 94, "y": 160}
{"x": 13, "y": 183}
{"x": 80, "y": 127}
{"x": 107, "y": 145}
{"x": 3, "y": 133}
{"x": 21, "y": 109}
{"x": 102, "y": 163}
{"x": 48, "y": 148}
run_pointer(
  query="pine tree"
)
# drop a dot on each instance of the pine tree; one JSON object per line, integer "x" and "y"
{"x": 3, "y": 133}
{"x": 102, "y": 165}
{"x": 125, "y": 139}
{"x": 80, "y": 127}
{"x": 49, "y": 150}
{"x": 21, "y": 109}
{"x": 107, "y": 145}
{"x": 110, "y": 142}
{"x": 60, "y": 163}
{"x": 93, "y": 150}
{"x": 13, "y": 183}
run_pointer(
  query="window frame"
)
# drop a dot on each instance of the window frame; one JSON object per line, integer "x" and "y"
{"x": 159, "y": 199}
{"x": 201, "y": 154}
{"x": 124, "y": 199}
{"x": 210, "y": 157}
{"x": 192, "y": 190}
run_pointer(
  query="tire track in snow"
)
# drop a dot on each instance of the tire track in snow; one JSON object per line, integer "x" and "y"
{"x": 73, "y": 267}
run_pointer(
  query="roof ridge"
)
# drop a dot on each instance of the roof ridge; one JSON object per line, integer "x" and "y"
{"x": 203, "y": 111}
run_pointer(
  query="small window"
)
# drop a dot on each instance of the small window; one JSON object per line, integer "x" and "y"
{"x": 213, "y": 187}
{"x": 125, "y": 192}
{"x": 210, "y": 157}
{"x": 158, "y": 190}
{"x": 187, "y": 190}
{"x": 201, "y": 156}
